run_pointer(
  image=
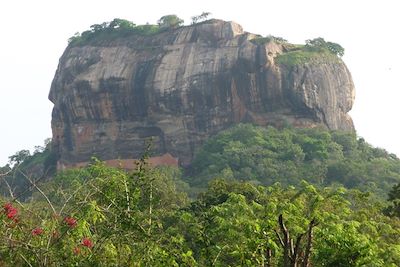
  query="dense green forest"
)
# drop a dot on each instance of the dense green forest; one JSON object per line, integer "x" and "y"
{"x": 253, "y": 196}
{"x": 288, "y": 156}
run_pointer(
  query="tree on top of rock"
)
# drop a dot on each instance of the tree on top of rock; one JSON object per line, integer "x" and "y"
{"x": 170, "y": 21}
{"x": 320, "y": 44}
{"x": 202, "y": 17}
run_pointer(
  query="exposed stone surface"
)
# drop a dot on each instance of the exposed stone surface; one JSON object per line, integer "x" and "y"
{"x": 181, "y": 86}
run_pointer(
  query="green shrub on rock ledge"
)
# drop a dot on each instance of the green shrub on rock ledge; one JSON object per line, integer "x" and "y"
{"x": 300, "y": 57}
{"x": 315, "y": 51}
{"x": 122, "y": 28}
{"x": 265, "y": 40}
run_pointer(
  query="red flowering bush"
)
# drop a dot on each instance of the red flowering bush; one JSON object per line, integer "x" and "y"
{"x": 86, "y": 223}
{"x": 86, "y": 242}
{"x": 71, "y": 222}
{"x": 10, "y": 211}
{"x": 37, "y": 231}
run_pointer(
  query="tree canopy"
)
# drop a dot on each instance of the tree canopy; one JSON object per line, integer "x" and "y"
{"x": 320, "y": 44}
{"x": 170, "y": 21}
{"x": 202, "y": 17}
{"x": 102, "y": 216}
{"x": 267, "y": 155}
{"x": 279, "y": 198}
{"x": 116, "y": 28}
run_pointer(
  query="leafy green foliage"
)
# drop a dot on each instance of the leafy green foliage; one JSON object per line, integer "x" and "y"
{"x": 300, "y": 57}
{"x": 118, "y": 28}
{"x": 319, "y": 44}
{"x": 170, "y": 21}
{"x": 200, "y": 18}
{"x": 233, "y": 224}
{"x": 268, "y": 39}
{"x": 315, "y": 51}
{"x": 394, "y": 199}
{"x": 20, "y": 156}
{"x": 39, "y": 165}
{"x": 102, "y": 216}
{"x": 267, "y": 155}
{"x": 98, "y": 211}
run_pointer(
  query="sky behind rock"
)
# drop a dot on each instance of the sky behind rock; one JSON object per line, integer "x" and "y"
{"x": 35, "y": 34}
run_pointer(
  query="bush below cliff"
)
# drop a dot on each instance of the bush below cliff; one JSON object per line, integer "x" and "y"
{"x": 102, "y": 216}
{"x": 288, "y": 156}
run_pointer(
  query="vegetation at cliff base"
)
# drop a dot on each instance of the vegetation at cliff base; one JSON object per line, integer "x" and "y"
{"x": 102, "y": 216}
{"x": 321, "y": 157}
{"x": 266, "y": 197}
{"x": 25, "y": 166}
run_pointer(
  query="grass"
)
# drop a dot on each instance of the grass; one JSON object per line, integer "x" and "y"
{"x": 267, "y": 39}
{"x": 261, "y": 40}
{"x": 303, "y": 56}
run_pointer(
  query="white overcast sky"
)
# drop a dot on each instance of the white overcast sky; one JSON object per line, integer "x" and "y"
{"x": 34, "y": 34}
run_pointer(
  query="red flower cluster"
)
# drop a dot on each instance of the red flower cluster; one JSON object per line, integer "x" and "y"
{"x": 37, "y": 231}
{"x": 71, "y": 222}
{"x": 10, "y": 211}
{"x": 86, "y": 242}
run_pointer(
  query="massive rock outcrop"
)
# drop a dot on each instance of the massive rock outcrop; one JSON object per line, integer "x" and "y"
{"x": 183, "y": 85}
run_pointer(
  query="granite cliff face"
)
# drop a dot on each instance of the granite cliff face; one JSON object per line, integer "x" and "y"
{"x": 181, "y": 86}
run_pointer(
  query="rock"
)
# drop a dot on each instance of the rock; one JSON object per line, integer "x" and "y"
{"x": 180, "y": 86}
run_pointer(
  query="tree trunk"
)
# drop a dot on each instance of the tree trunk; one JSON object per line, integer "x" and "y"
{"x": 293, "y": 254}
{"x": 306, "y": 262}
{"x": 285, "y": 242}
{"x": 268, "y": 256}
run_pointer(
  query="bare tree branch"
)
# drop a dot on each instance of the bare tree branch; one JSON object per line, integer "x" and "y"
{"x": 41, "y": 192}
{"x": 10, "y": 191}
{"x": 5, "y": 174}
{"x": 279, "y": 238}
{"x": 297, "y": 248}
